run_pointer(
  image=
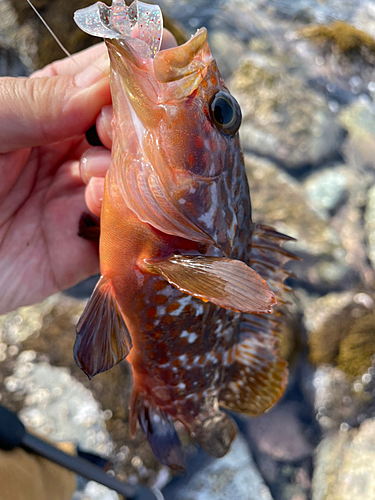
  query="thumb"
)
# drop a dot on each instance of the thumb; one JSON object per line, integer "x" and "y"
{"x": 40, "y": 111}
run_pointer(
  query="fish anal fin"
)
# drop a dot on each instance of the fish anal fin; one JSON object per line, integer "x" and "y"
{"x": 89, "y": 227}
{"x": 257, "y": 375}
{"x": 161, "y": 434}
{"x": 103, "y": 339}
{"x": 225, "y": 282}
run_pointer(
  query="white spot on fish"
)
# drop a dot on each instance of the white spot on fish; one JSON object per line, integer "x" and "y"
{"x": 192, "y": 338}
{"x": 184, "y": 301}
{"x": 181, "y": 386}
{"x": 182, "y": 201}
{"x": 184, "y": 334}
{"x": 207, "y": 218}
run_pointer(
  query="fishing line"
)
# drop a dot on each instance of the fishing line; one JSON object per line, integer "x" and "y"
{"x": 52, "y": 33}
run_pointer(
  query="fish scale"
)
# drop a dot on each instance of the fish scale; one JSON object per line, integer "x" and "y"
{"x": 183, "y": 293}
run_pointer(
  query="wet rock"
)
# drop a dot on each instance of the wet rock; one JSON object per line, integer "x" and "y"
{"x": 313, "y": 10}
{"x": 327, "y": 189}
{"x": 226, "y": 50}
{"x": 279, "y": 200}
{"x": 233, "y": 477}
{"x": 344, "y": 37}
{"x": 370, "y": 224}
{"x": 350, "y": 320}
{"x": 279, "y": 434}
{"x": 282, "y": 118}
{"x": 359, "y": 120}
{"x": 345, "y": 465}
{"x": 17, "y": 43}
{"x": 340, "y": 401}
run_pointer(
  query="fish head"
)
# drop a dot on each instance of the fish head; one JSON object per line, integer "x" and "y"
{"x": 181, "y": 116}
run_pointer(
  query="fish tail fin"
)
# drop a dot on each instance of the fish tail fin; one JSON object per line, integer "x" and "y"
{"x": 160, "y": 431}
{"x": 257, "y": 374}
{"x": 103, "y": 339}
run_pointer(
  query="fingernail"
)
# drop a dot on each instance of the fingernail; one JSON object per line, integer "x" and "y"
{"x": 94, "y": 72}
{"x": 96, "y": 186}
{"x": 94, "y": 163}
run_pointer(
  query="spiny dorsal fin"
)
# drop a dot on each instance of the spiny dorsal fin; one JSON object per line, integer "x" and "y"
{"x": 258, "y": 374}
{"x": 225, "y": 282}
{"x": 103, "y": 339}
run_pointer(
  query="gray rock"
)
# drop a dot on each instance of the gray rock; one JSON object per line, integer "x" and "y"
{"x": 328, "y": 188}
{"x": 283, "y": 118}
{"x": 345, "y": 465}
{"x": 370, "y": 224}
{"x": 279, "y": 434}
{"x": 226, "y": 50}
{"x": 233, "y": 477}
{"x": 314, "y": 10}
{"x": 58, "y": 406}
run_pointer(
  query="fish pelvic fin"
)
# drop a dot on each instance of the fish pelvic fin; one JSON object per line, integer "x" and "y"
{"x": 225, "y": 282}
{"x": 103, "y": 339}
{"x": 160, "y": 431}
{"x": 257, "y": 374}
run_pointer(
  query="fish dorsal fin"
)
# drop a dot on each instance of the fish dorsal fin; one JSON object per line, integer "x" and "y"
{"x": 225, "y": 282}
{"x": 103, "y": 339}
{"x": 258, "y": 374}
{"x": 144, "y": 194}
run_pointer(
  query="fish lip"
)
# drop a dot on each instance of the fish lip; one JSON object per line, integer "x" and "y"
{"x": 170, "y": 64}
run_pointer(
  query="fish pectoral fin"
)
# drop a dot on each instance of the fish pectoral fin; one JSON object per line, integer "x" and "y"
{"x": 103, "y": 338}
{"x": 225, "y": 282}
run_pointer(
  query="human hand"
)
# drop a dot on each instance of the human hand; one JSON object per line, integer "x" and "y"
{"x": 43, "y": 120}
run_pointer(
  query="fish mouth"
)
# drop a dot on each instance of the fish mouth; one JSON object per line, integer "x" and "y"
{"x": 169, "y": 65}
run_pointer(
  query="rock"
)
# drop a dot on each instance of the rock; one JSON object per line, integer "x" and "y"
{"x": 279, "y": 434}
{"x": 327, "y": 189}
{"x": 340, "y": 401}
{"x": 345, "y": 465}
{"x": 58, "y": 406}
{"x": 226, "y": 50}
{"x": 233, "y": 477}
{"x": 359, "y": 120}
{"x": 279, "y": 200}
{"x": 350, "y": 320}
{"x": 370, "y": 224}
{"x": 282, "y": 118}
{"x": 313, "y": 10}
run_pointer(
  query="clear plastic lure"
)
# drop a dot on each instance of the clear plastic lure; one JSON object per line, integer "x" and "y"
{"x": 119, "y": 20}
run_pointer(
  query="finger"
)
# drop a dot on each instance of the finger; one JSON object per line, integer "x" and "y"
{"x": 41, "y": 111}
{"x": 94, "y": 163}
{"x": 94, "y": 195}
{"x": 104, "y": 126}
{"x": 74, "y": 64}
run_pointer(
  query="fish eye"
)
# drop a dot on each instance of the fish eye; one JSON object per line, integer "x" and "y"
{"x": 225, "y": 113}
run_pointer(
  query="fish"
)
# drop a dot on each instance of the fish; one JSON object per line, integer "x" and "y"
{"x": 191, "y": 290}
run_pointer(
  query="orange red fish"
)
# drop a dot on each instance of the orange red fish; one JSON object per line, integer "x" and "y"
{"x": 188, "y": 280}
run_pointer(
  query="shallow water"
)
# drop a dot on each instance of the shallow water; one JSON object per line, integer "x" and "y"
{"x": 306, "y": 88}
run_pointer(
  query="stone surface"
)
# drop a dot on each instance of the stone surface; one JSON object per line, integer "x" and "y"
{"x": 282, "y": 118}
{"x": 233, "y": 477}
{"x": 345, "y": 465}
